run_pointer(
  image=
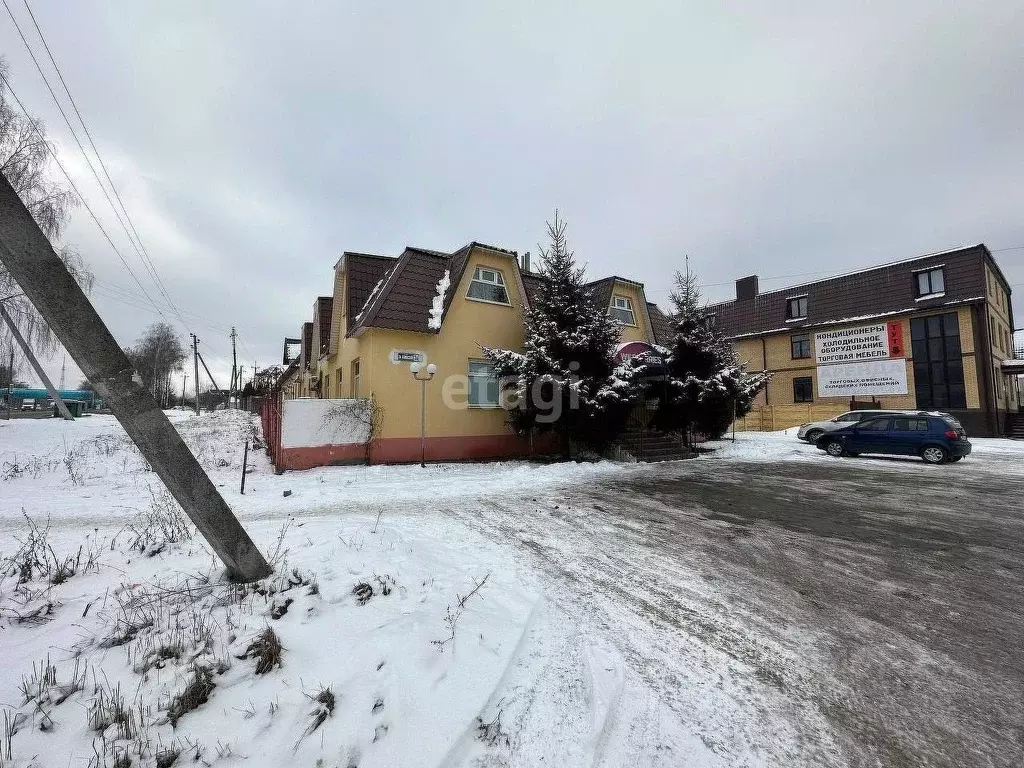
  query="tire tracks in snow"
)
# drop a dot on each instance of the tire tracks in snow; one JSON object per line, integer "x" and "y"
{"x": 681, "y": 645}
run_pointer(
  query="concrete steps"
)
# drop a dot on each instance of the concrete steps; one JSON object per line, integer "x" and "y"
{"x": 1015, "y": 426}
{"x": 653, "y": 446}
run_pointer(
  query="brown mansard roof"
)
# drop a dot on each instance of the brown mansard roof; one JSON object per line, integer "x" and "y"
{"x": 886, "y": 290}
{"x": 403, "y": 293}
{"x": 324, "y": 309}
{"x": 398, "y": 292}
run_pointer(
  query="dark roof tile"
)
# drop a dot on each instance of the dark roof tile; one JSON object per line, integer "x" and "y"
{"x": 885, "y": 290}
{"x": 363, "y": 273}
{"x": 325, "y": 307}
{"x": 661, "y": 324}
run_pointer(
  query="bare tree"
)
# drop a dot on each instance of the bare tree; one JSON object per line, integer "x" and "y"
{"x": 25, "y": 155}
{"x": 7, "y": 374}
{"x": 156, "y": 355}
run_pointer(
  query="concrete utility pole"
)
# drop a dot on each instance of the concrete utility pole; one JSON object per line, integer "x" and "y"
{"x": 215, "y": 387}
{"x": 54, "y": 394}
{"x": 10, "y": 385}
{"x": 195, "y": 364}
{"x": 183, "y": 381}
{"x": 234, "y": 366}
{"x": 31, "y": 260}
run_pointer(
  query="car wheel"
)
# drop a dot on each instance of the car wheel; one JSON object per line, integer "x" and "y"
{"x": 835, "y": 448}
{"x": 934, "y": 454}
{"x": 813, "y": 435}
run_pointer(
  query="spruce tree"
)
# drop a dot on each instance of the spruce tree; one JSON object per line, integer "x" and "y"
{"x": 565, "y": 379}
{"x": 708, "y": 386}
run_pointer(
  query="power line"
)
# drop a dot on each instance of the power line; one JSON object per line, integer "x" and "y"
{"x": 141, "y": 248}
{"x": 78, "y": 193}
{"x": 141, "y": 305}
{"x": 210, "y": 322}
{"x": 147, "y": 263}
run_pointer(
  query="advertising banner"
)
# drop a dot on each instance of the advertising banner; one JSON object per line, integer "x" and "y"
{"x": 880, "y": 341}
{"x": 876, "y": 377}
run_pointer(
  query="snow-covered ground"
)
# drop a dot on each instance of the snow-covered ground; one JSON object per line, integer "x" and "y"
{"x": 987, "y": 454}
{"x": 439, "y": 644}
{"x": 418, "y": 675}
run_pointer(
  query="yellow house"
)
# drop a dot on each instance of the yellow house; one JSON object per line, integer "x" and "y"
{"x": 428, "y": 307}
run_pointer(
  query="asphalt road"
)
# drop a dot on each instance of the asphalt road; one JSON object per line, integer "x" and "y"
{"x": 878, "y": 606}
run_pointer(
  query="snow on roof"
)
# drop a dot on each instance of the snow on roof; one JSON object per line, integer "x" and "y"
{"x": 845, "y": 320}
{"x": 437, "y": 307}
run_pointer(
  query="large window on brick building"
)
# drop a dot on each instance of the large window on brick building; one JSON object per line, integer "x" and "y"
{"x": 938, "y": 362}
{"x": 800, "y": 345}
{"x": 803, "y": 389}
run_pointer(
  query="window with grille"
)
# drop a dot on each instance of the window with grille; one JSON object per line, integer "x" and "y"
{"x": 622, "y": 310}
{"x": 488, "y": 285}
{"x": 931, "y": 282}
{"x": 800, "y": 345}
{"x": 803, "y": 389}
{"x": 796, "y": 308}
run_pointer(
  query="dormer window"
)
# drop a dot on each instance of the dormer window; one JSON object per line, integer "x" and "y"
{"x": 931, "y": 282}
{"x": 796, "y": 308}
{"x": 488, "y": 285}
{"x": 622, "y": 310}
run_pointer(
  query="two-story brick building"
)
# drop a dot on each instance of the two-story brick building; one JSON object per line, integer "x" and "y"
{"x": 933, "y": 332}
{"x": 429, "y": 306}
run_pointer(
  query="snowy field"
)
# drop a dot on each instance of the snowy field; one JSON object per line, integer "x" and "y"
{"x": 411, "y": 631}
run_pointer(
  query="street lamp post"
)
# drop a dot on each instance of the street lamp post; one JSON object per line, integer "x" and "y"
{"x": 429, "y": 370}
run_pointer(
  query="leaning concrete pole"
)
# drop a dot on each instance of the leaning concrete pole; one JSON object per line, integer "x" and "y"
{"x": 27, "y": 254}
{"x": 54, "y": 394}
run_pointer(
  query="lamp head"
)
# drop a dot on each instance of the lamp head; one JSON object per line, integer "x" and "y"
{"x": 415, "y": 368}
{"x": 431, "y": 369}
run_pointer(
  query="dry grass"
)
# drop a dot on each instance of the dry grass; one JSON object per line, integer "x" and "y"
{"x": 195, "y": 694}
{"x": 109, "y": 708}
{"x": 266, "y": 649}
{"x": 162, "y": 523}
{"x": 324, "y": 700}
{"x": 36, "y": 559}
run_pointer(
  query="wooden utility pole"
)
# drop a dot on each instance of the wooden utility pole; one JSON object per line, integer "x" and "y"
{"x": 40, "y": 273}
{"x": 54, "y": 394}
{"x": 183, "y": 381}
{"x": 195, "y": 364}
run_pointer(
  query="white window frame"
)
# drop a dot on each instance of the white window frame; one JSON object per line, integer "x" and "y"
{"x": 483, "y": 385}
{"x": 927, "y": 274}
{"x": 797, "y": 299}
{"x": 626, "y": 306}
{"x": 478, "y": 277}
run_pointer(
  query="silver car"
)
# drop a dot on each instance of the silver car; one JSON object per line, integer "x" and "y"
{"x": 815, "y": 429}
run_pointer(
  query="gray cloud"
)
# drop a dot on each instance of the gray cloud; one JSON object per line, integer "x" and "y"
{"x": 255, "y": 141}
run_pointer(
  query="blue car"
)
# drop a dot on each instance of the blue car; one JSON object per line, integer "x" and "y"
{"x": 935, "y": 437}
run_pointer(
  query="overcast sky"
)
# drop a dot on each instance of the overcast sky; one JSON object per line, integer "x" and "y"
{"x": 253, "y": 142}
